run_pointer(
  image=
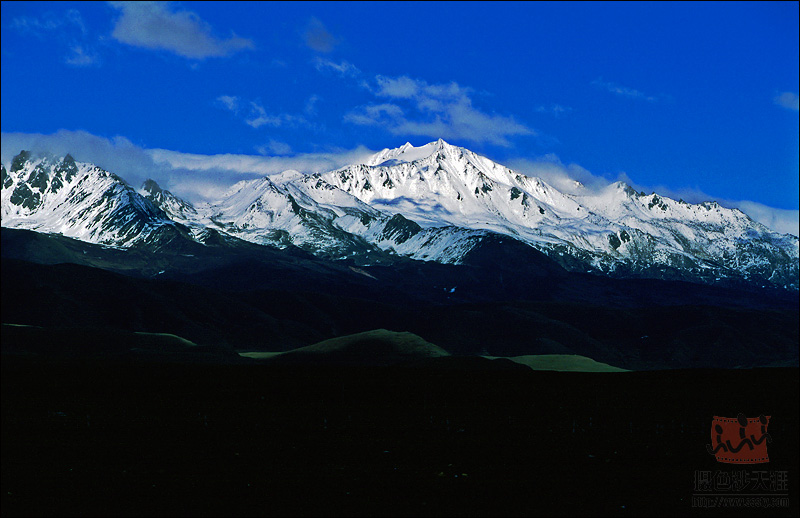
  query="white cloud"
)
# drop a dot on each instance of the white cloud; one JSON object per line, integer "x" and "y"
{"x": 259, "y": 117}
{"x": 780, "y": 220}
{"x": 262, "y": 165}
{"x": 311, "y": 105}
{"x": 318, "y": 38}
{"x": 256, "y": 116}
{"x": 155, "y": 25}
{"x": 81, "y": 56}
{"x": 118, "y": 154}
{"x": 343, "y": 69}
{"x": 231, "y": 102}
{"x": 433, "y": 110}
{"x": 207, "y": 177}
{"x": 194, "y": 177}
{"x": 554, "y": 109}
{"x": 373, "y": 114}
{"x": 623, "y": 90}
{"x": 274, "y": 147}
{"x": 561, "y": 176}
{"x": 788, "y": 100}
{"x": 67, "y": 29}
{"x": 402, "y": 87}
{"x": 48, "y": 22}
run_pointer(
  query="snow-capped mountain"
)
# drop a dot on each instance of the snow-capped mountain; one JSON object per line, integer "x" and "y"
{"x": 434, "y": 202}
{"x": 299, "y": 213}
{"x": 79, "y": 200}
{"x": 176, "y": 208}
{"x": 616, "y": 229}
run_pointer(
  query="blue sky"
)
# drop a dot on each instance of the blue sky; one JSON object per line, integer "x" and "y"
{"x": 693, "y": 100}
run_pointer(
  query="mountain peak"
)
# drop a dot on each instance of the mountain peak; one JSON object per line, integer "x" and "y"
{"x": 57, "y": 195}
{"x": 20, "y": 160}
{"x": 151, "y": 186}
{"x": 407, "y": 153}
{"x": 625, "y": 188}
{"x": 441, "y": 144}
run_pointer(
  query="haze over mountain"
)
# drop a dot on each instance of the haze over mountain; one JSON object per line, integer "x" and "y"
{"x": 435, "y": 202}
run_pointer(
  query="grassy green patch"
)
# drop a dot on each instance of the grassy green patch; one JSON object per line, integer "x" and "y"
{"x": 561, "y": 362}
{"x": 164, "y": 338}
{"x": 259, "y": 355}
{"x": 376, "y": 347}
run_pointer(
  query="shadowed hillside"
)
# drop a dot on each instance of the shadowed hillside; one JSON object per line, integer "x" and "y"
{"x": 630, "y": 337}
{"x": 377, "y": 347}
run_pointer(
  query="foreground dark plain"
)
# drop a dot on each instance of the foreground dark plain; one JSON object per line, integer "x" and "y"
{"x": 123, "y": 393}
{"x": 451, "y": 436}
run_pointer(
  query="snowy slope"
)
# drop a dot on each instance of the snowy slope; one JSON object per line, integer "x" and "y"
{"x": 442, "y": 185}
{"x": 435, "y": 202}
{"x": 305, "y": 212}
{"x": 78, "y": 200}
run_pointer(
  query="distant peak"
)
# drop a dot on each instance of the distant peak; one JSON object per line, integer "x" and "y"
{"x": 624, "y": 187}
{"x": 408, "y": 153}
{"x": 440, "y": 145}
{"x": 20, "y": 160}
{"x": 151, "y": 186}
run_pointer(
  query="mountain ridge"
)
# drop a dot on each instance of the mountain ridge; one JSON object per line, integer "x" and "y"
{"x": 435, "y": 202}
